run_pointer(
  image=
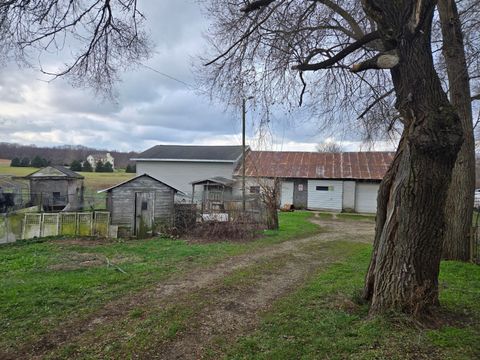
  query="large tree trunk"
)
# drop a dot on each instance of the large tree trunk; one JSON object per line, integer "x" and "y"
{"x": 459, "y": 206}
{"x": 403, "y": 274}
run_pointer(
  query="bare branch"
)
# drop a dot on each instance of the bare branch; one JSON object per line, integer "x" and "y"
{"x": 375, "y": 102}
{"x": 340, "y": 55}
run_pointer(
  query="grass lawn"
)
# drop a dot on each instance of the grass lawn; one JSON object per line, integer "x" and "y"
{"x": 93, "y": 181}
{"x": 326, "y": 320}
{"x": 47, "y": 282}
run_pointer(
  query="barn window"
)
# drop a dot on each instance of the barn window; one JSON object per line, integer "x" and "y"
{"x": 254, "y": 189}
{"x": 144, "y": 205}
{"x": 300, "y": 187}
{"x": 323, "y": 188}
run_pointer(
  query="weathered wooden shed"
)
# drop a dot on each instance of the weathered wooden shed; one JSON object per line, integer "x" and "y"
{"x": 56, "y": 188}
{"x": 141, "y": 204}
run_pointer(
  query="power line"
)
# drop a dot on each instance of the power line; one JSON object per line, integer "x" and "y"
{"x": 170, "y": 77}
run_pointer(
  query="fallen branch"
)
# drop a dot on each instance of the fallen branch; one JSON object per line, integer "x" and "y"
{"x": 115, "y": 266}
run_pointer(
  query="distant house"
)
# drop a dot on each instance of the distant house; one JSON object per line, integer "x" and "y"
{"x": 346, "y": 181}
{"x": 180, "y": 165}
{"x": 140, "y": 204}
{"x": 93, "y": 159}
{"x": 56, "y": 188}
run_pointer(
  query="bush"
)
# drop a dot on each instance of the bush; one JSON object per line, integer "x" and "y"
{"x": 131, "y": 168}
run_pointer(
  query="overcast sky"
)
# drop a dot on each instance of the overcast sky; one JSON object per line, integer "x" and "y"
{"x": 151, "y": 109}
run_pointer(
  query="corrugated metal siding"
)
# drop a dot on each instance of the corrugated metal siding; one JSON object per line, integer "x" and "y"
{"x": 325, "y": 200}
{"x": 359, "y": 165}
{"x": 366, "y": 197}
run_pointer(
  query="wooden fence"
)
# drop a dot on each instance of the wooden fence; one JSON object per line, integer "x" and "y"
{"x": 35, "y": 225}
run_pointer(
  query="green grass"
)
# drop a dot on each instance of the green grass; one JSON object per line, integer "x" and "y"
{"x": 323, "y": 320}
{"x": 45, "y": 282}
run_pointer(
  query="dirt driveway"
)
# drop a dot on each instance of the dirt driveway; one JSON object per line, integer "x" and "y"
{"x": 196, "y": 315}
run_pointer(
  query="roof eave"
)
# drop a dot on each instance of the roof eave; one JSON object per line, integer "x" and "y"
{"x": 184, "y": 160}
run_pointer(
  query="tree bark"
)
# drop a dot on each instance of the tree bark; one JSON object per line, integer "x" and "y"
{"x": 403, "y": 273}
{"x": 459, "y": 206}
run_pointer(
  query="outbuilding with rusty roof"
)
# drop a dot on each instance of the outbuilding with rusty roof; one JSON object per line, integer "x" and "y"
{"x": 346, "y": 181}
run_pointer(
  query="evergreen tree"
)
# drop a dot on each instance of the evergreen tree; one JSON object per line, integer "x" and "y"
{"x": 107, "y": 167}
{"x": 15, "y": 162}
{"x": 76, "y": 166}
{"x": 38, "y": 162}
{"x": 86, "y": 167}
{"x": 99, "y": 166}
{"x": 25, "y": 162}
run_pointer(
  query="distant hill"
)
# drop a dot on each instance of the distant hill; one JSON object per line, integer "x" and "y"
{"x": 61, "y": 155}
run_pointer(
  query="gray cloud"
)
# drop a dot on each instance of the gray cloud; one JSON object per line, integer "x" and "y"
{"x": 150, "y": 108}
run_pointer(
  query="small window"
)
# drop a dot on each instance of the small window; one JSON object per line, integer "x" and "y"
{"x": 300, "y": 187}
{"x": 322, "y": 188}
{"x": 144, "y": 205}
{"x": 254, "y": 189}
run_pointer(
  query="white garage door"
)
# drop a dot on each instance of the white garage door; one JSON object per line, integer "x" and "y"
{"x": 286, "y": 196}
{"x": 325, "y": 195}
{"x": 366, "y": 197}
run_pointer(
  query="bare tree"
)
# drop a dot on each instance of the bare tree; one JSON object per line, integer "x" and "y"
{"x": 459, "y": 206}
{"x": 106, "y": 34}
{"x": 339, "y": 50}
{"x": 329, "y": 147}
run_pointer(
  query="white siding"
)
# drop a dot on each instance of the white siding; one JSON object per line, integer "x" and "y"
{"x": 330, "y": 199}
{"x": 286, "y": 196}
{"x": 348, "y": 195}
{"x": 366, "y": 197}
{"x": 180, "y": 174}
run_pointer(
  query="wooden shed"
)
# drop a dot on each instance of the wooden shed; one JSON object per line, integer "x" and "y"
{"x": 140, "y": 205}
{"x": 56, "y": 188}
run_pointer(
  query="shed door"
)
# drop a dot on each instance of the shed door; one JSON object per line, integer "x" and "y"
{"x": 287, "y": 193}
{"x": 366, "y": 197}
{"x": 325, "y": 195}
{"x": 144, "y": 204}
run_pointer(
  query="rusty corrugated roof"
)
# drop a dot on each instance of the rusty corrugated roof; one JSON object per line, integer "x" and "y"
{"x": 313, "y": 165}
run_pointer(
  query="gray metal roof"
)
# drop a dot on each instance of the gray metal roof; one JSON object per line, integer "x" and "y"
{"x": 54, "y": 171}
{"x": 191, "y": 153}
{"x": 216, "y": 179}
{"x": 135, "y": 178}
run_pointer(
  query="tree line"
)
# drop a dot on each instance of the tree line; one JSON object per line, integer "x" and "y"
{"x": 36, "y": 162}
{"x": 63, "y": 155}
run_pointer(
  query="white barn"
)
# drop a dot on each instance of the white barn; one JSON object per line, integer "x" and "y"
{"x": 182, "y": 165}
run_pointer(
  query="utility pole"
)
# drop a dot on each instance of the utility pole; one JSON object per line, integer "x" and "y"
{"x": 243, "y": 153}
{"x": 244, "y": 112}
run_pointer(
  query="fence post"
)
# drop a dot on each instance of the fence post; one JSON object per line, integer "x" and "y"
{"x": 24, "y": 223}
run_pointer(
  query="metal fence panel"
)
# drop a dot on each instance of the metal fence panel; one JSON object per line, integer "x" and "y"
{"x": 101, "y": 223}
{"x": 50, "y": 224}
{"x": 84, "y": 224}
{"x": 68, "y": 224}
{"x": 32, "y": 226}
